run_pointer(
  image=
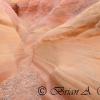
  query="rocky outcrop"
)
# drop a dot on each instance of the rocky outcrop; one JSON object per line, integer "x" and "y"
{"x": 49, "y": 43}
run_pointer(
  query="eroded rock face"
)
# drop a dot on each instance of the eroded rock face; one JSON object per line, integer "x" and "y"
{"x": 46, "y": 15}
{"x": 49, "y": 43}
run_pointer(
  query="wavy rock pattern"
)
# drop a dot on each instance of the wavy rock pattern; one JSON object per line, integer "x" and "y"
{"x": 49, "y": 43}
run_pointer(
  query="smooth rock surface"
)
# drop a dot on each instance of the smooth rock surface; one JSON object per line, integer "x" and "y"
{"x": 49, "y": 43}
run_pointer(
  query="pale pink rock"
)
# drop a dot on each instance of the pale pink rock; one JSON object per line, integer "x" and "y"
{"x": 49, "y": 43}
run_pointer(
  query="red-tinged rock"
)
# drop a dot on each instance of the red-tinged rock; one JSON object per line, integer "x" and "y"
{"x": 49, "y": 43}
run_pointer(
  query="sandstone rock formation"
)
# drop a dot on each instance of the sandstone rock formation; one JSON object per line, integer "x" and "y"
{"x": 49, "y": 43}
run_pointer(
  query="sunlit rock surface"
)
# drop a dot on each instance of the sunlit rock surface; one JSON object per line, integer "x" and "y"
{"x": 49, "y": 43}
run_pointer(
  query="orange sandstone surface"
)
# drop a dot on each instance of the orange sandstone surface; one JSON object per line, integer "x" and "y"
{"x": 49, "y": 43}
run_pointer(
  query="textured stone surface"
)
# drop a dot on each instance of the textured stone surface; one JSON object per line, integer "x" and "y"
{"x": 49, "y": 43}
